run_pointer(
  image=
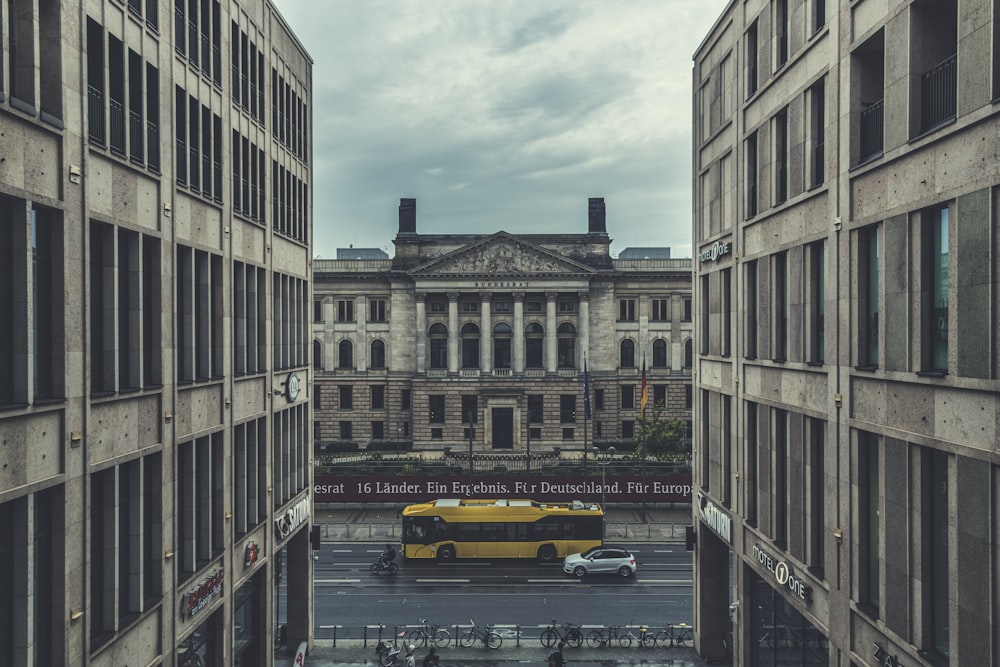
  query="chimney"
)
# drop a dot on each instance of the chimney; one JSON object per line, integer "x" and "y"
{"x": 407, "y": 216}
{"x": 596, "y": 216}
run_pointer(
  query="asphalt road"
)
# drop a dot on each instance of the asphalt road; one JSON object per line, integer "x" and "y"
{"x": 517, "y": 595}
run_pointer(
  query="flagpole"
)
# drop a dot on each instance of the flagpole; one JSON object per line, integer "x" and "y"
{"x": 586, "y": 410}
{"x": 643, "y": 398}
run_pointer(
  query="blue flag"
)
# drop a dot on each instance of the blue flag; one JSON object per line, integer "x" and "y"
{"x": 586, "y": 391}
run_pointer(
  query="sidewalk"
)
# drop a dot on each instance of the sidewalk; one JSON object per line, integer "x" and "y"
{"x": 624, "y": 524}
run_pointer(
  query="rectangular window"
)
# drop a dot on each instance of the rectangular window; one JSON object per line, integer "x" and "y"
{"x": 628, "y": 429}
{"x": 199, "y": 315}
{"x": 705, "y": 313}
{"x": 751, "y": 309}
{"x": 752, "y": 69}
{"x": 726, "y": 298}
{"x": 346, "y": 430}
{"x": 688, "y": 396}
{"x": 199, "y": 518}
{"x": 659, "y": 395}
{"x": 438, "y": 306}
{"x": 345, "y": 310}
{"x": 567, "y": 306}
{"x": 469, "y": 306}
{"x": 727, "y": 451}
{"x": 317, "y": 310}
{"x": 249, "y": 475}
{"x": 501, "y": 306}
{"x": 752, "y": 455}
{"x": 780, "y": 528}
{"x": 780, "y": 312}
{"x": 869, "y": 527}
{"x": 628, "y": 396}
{"x": 815, "y": 483}
{"x": 470, "y": 409}
{"x": 687, "y": 309}
{"x": 598, "y": 399}
{"x": 626, "y": 310}
{"x": 404, "y": 400}
{"x": 346, "y": 393}
{"x": 536, "y": 408}
{"x": 868, "y": 69}
{"x": 378, "y": 430}
{"x": 376, "y": 310}
{"x": 868, "y": 293}
{"x": 936, "y": 492}
{"x": 780, "y": 33}
{"x": 288, "y": 461}
{"x": 818, "y": 15}
{"x": 249, "y": 321}
{"x": 532, "y": 306}
{"x": 817, "y": 301}
{"x": 781, "y": 157}
{"x": 751, "y": 179}
{"x": 291, "y": 326}
{"x": 660, "y": 311}
{"x": 817, "y": 132}
{"x": 567, "y": 409}
{"x": 378, "y": 397}
{"x": 934, "y": 289}
{"x": 435, "y": 405}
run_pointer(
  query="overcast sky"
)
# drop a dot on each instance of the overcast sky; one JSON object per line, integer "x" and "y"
{"x": 501, "y": 115}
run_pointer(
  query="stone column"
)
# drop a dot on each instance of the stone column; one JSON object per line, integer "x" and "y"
{"x": 517, "y": 353}
{"x": 452, "y": 332}
{"x": 421, "y": 304}
{"x": 362, "y": 351}
{"x": 551, "y": 343}
{"x": 486, "y": 332}
{"x": 583, "y": 332}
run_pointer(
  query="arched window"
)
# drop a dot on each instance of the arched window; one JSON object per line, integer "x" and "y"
{"x": 566, "y": 335}
{"x": 627, "y": 358}
{"x": 345, "y": 355}
{"x": 317, "y": 355}
{"x": 534, "y": 342}
{"x": 501, "y": 345}
{"x": 659, "y": 353}
{"x": 470, "y": 345}
{"x": 378, "y": 354}
{"x": 688, "y": 356}
{"x": 439, "y": 345}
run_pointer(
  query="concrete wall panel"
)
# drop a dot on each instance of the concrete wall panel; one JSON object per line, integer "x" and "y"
{"x": 32, "y": 449}
{"x": 289, "y": 257}
{"x": 866, "y": 16}
{"x": 249, "y": 242}
{"x": 29, "y": 158}
{"x": 198, "y": 409}
{"x": 197, "y": 222}
{"x": 249, "y": 398}
{"x": 140, "y": 645}
{"x": 122, "y": 427}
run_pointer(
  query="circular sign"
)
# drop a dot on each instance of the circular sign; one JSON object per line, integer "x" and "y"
{"x": 781, "y": 572}
{"x": 292, "y": 387}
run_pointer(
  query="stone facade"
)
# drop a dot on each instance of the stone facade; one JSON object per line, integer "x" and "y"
{"x": 517, "y": 314}
{"x": 846, "y": 169}
{"x": 154, "y": 223}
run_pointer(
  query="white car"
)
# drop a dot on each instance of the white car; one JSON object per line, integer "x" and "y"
{"x": 599, "y": 560}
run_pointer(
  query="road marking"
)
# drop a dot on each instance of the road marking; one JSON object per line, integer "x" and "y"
{"x": 337, "y": 581}
{"x": 553, "y": 581}
{"x": 330, "y": 627}
{"x": 341, "y": 551}
{"x": 464, "y": 564}
{"x": 442, "y": 581}
{"x": 665, "y": 581}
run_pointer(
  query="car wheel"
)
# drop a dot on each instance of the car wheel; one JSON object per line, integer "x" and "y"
{"x": 625, "y": 571}
{"x": 546, "y": 553}
{"x": 579, "y": 571}
{"x": 446, "y": 553}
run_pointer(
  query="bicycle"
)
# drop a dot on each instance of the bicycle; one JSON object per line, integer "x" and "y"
{"x": 380, "y": 566}
{"x": 567, "y": 633}
{"x": 486, "y": 635}
{"x": 603, "y": 637}
{"x": 388, "y": 654}
{"x": 681, "y": 634}
{"x": 645, "y": 638}
{"x": 429, "y": 634}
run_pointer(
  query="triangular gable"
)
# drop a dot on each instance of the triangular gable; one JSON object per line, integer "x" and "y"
{"x": 501, "y": 254}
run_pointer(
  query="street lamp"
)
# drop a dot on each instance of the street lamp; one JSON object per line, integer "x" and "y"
{"x": 603, "y": 459}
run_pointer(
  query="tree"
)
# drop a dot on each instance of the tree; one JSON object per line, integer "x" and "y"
{"x": 662, "y": 437}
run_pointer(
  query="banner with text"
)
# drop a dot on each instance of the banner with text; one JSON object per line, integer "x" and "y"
{"x": 415, "y": 488}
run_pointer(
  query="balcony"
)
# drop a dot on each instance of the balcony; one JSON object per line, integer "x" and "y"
{"x": 501, "y": 372}
{"x": 938, "y": 94}
{"x": 95, "y": 115}
{"x": 117, "y": 126}
{"x": 468, "y": 372}
{"x": 871, "y": 121}
{"x": 153, "y": 145}
{"x": 135, "y": 136}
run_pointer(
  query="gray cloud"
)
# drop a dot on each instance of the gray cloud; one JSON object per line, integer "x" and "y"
{"x": 501, "y": 115}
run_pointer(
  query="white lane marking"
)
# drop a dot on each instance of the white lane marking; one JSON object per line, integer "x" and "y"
{"x": 464, "y": 564}
{"x": 336, "y": 581}
{"x": 442, "y": 581}
{"x": 665, "y": 581}
{"x": 340, "y": 551}
{"x": 553, "y": 581}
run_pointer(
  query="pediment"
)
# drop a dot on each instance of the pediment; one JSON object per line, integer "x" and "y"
{"x": 501, "y": 255}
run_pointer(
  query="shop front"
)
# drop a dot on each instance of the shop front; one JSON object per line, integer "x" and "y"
{"x": 780, "y": 636}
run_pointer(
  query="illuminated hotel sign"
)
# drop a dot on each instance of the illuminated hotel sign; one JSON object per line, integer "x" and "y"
{"x": 783, "y": 574}
{"x": 294, "y": 517}
{"x": 718, "y": 249}
{"x": 202, "y": 594}
{"x": 717, "y": 520}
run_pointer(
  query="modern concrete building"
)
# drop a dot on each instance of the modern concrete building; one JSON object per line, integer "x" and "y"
{"x": 155, "y": 238}
{"x": 846, "y": 297}
{"x": 493, "y": 329}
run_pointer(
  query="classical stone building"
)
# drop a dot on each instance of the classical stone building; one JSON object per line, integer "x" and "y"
{"x": 155, "y": 238}
{"x": 492, "y": 330}
{"x": 846, "y": 166}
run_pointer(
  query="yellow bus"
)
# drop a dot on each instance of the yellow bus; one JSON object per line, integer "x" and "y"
{"x": 457, "y": 528}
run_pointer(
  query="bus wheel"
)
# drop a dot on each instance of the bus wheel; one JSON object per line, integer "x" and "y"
{"x": 446, "y": 553}
{"x": 546, "y": 553}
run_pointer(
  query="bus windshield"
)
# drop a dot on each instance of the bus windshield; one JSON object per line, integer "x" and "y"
{"x": 455, "y": 528}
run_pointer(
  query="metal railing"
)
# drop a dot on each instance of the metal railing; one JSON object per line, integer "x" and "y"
{"x": 871, "y": 134}
{"x": 153, "y": 145}
{"x": 95, "y": 115}
{"x": 938, "y": 93}
{"x": 135, "y": 136}
{"x": 117, "y": 117}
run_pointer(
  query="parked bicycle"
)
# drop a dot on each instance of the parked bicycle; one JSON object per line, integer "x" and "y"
{"x": 644, "y": 638}
{"x": 603, "y": 637}
{"x": 388, "y": 653}
{"x": 485, "y": 635}
{"x": 569, "y": 634}
{"x": 429, "y": 634}
{"x": 681, "y": 634}
{"x": 380, "y": 566}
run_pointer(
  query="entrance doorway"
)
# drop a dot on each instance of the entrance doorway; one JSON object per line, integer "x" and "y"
{"x": 503, "y": 428}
